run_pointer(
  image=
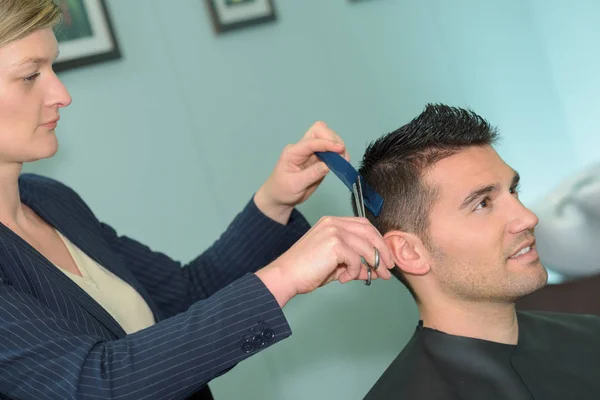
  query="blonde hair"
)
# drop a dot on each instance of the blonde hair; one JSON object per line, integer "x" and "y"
{"x": 19, "y": 18}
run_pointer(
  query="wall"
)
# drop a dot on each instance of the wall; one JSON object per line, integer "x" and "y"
{"x": 170, "y": 142}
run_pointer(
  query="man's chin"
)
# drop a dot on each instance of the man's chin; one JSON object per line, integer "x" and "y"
{"x": 537, "y": 280}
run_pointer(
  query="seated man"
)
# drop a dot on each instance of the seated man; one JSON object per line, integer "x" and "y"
{"x": 464, "y": 246}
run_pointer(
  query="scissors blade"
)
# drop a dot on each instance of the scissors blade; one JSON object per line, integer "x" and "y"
{"x": 359, "y": 202}
{"x": 359, "y": 209}
{"x": 360, "y": 196}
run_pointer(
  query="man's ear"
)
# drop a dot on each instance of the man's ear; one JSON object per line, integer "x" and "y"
{"x": 408, "y": 252}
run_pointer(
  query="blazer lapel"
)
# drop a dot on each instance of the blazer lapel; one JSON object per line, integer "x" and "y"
{"x": 91, "y": 242}
{"x": 70, "y": 288}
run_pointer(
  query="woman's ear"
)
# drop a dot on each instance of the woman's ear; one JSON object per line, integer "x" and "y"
{"x": 408, "y": 252}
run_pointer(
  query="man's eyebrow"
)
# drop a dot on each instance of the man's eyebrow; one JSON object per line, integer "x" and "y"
{"x": 487, "y": 189}
{"x": 479, "y": 192}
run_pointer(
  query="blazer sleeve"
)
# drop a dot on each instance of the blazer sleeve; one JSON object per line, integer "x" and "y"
{"x": 46, "y": 356}
{"x": 250, "y": 242}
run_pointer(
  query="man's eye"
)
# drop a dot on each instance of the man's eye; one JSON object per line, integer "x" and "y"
{"x": 515, "y": 190}
{"x": 485, "y": 203}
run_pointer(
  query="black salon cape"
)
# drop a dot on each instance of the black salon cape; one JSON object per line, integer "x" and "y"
{"x": 557, "y": 357}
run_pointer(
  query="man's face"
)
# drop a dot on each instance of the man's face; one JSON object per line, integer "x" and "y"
{"x": 481, "y": 237}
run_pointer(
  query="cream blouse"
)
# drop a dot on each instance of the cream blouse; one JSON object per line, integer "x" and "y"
{"x": 116, "y": 296}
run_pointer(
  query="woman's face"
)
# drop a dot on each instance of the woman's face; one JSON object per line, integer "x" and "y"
{"x": 30, "y": 98}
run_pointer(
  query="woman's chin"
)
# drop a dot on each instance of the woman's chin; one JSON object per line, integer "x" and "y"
{"x": 42, "y": 152}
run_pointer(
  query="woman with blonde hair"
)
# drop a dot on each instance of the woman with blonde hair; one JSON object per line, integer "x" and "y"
{"x": 86, "y": 313}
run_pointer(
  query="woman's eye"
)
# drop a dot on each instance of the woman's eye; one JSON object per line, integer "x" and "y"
{"x": 31, "y": 78}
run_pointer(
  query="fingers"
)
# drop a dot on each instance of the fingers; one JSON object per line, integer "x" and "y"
{"x": 365, "y": 247}
{"x": 351, "y": 264}
{"x": 320, "y": 130}
{"x": 311, "y": 175}
{"x": 352, "y": 241}
{"x": 345, "y": 276}
{"x": 302, "y": 150}
{"x": 361, "y": 235}
{"x": 303, "y": 168}
{"x": 351, "y": 267}
{"x": 333, "y": 249}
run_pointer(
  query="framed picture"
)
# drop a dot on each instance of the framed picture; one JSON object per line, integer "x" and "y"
{"x": 85, "y": 35}
{"x": 228, "y": 15}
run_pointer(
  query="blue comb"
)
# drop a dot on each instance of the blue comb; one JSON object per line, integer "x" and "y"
{"x": 348, "y": 175}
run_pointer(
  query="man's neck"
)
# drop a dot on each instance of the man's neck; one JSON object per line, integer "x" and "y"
{"x": 496, "y": 322}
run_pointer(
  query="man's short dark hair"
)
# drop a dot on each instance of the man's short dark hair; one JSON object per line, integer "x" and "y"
{"x": 394, "y": 164}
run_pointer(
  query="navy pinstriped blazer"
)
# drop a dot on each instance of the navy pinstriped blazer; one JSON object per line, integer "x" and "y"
{"x": 56, "y": 342}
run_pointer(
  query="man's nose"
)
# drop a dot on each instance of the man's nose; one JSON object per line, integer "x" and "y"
{"x": 524, "y": 219}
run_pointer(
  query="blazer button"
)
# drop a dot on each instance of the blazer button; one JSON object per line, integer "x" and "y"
{"x": 268, "y": 335}
{"x": 258, "y": 341}
{"x": 247, "y": 346}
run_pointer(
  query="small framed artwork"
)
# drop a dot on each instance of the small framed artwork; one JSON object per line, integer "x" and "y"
{"x": 228, "y": 15}
{"x": 85, "y": 35}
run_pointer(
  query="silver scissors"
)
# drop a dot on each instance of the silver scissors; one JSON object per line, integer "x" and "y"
{"x": 359, "y": 202}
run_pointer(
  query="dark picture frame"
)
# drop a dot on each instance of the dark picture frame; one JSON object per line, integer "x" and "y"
{"x": 229, "y": 15}
{"x": 86, "y": 35}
